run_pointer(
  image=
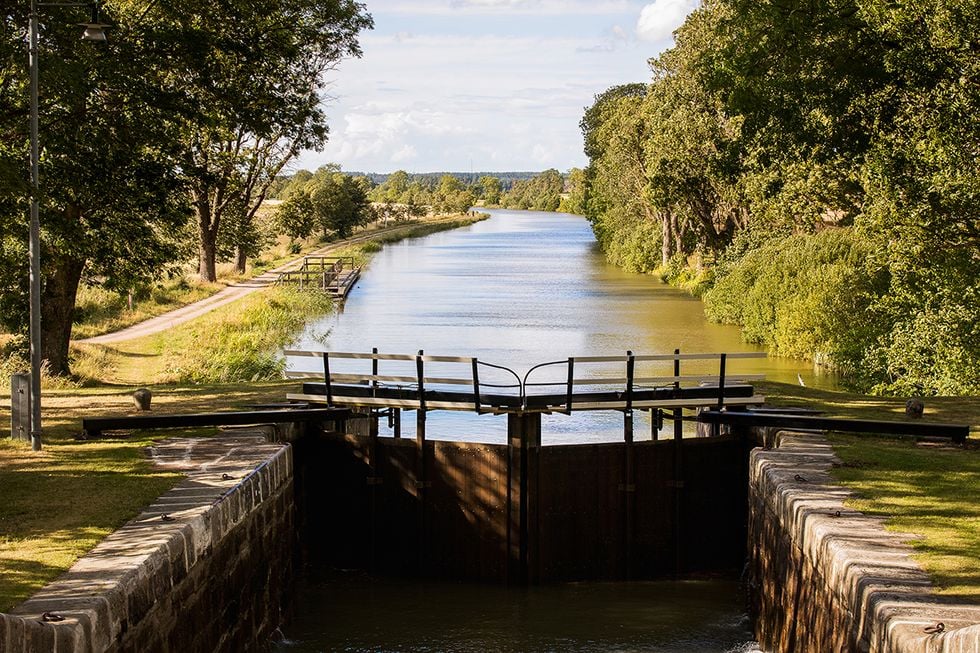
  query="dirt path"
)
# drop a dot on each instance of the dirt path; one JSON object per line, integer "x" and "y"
{"x": 232, "y": 293}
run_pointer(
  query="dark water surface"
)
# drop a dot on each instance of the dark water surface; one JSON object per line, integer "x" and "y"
{"x": 518, "y": 289}
{"x": 355, "y": 613}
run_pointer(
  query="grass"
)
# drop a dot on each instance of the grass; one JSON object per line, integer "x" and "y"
{"x": 60, "y": 502}
{"x": 930, "y": 490}
{"x": 99, "y": 311}
{"x": 948, "y": 410}
{"x": 237, "y": 342}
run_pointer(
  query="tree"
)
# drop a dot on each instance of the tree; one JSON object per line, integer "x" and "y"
{"x": 330, "y": 202}
{"x": 490, "y": 189}
{"x": 110, "y": 205}
{"x": 573, "y": 198}
{"x": 247, "y": 77}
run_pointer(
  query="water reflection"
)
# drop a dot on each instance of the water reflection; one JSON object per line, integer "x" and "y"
{"x": 521, "y": 288}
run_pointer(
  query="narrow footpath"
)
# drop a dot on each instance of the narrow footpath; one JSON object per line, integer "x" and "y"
{"x": 230, "y": 294}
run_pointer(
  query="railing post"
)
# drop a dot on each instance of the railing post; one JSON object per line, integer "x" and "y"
{"x": 326, "y": 378}
{"x": 678, "y": 412}
{"x": 716, "y": 428}
{"x": 570, "y": 385}
{"x": 421, "y": 482}
{"x": 476, "y": 385}
{"x": 628, "y": 487}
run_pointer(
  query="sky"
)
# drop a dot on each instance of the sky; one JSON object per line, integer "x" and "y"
{"x": 485, "y": 85}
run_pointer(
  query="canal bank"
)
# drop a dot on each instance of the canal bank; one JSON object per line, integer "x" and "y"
{"x": 206, "y": 568}
{"x": 825, "y": 577}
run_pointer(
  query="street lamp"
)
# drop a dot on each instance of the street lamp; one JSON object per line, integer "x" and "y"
{"x": 94, "y": 31}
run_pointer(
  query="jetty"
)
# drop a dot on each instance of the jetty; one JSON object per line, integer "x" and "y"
{"x": 335, "y": 275}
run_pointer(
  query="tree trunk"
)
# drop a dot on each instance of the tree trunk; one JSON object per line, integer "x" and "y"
{"x": 208, "y": 237}
{"x": 664, "y": 238}
{"x": 58, "y": 309}
{"x": 675, "y": 235}
{"x": 240, "y": 259}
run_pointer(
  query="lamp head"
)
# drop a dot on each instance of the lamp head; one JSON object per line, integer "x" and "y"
{"x": 93, "y": 31}
{"x": 95, "y": 28}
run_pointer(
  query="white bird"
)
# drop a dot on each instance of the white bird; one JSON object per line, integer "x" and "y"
{"x": 799, "y": 377}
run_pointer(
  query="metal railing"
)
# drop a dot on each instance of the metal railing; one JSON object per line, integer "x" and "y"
{"x": 586, "y": 383}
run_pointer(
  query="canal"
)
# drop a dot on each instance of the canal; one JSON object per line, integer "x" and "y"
{"x": 518, "y": 289}
{"x": 521, "y": 288}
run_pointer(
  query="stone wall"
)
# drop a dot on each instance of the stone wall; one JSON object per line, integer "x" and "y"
{"x": 202, "y": 569}
{"x": 826, "y": 578}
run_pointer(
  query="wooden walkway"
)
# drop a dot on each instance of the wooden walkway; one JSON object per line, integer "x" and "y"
{"x": 335, "y": 275}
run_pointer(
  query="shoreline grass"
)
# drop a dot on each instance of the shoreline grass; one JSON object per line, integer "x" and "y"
{"x": 927, "y": 490}
{"x": 99, "y": 311}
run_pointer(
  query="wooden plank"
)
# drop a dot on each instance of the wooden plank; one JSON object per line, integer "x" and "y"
{"x": 95, "y": 425}
{"x": 955, "y": 432}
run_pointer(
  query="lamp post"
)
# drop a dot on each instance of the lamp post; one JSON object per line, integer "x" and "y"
{"x": 94, "y": 31}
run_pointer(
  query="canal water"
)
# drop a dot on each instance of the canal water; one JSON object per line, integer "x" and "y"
{"x": 358, "y": 614}
{"x": 518, "y": 289}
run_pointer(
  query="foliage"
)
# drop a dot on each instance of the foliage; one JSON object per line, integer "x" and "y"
{"x": 770, "y": 126}
{"x": 573, "y": 199}
{"x": 799, "y": 296}
{"x": 188, "y": 106}
{"x": 540, "y": 193}
{"x": 330, "y": 202}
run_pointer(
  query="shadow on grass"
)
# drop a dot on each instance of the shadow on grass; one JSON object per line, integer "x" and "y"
{"x": 930, "y": 491}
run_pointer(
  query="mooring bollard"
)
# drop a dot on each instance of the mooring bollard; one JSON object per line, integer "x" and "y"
{"x": 141, "y": 399}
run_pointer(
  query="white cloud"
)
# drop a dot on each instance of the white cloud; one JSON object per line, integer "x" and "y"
{"x": 659, "y": 19}
{"x": 406, "y": 153}
{"x": 429, "y": 95}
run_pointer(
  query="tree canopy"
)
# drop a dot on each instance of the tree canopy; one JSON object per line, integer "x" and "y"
{"x": 768, "y": 123}
{"x": 189, "y": 107}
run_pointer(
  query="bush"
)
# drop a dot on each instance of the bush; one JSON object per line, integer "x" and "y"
{"x": 804, "y": 296}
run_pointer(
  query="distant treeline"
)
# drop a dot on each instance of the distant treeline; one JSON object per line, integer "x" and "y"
{"x": 449, "y": 192}
{"x": 812, "y": 170}
{"x": 507, "y": 179}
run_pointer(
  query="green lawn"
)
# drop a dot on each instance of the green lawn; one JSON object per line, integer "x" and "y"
{"x": 930, "y": 490}
{"x": 60, "y": 502}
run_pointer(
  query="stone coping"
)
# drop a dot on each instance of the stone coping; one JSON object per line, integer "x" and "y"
{"x": 869, "y": 569}
{"x": 115, "y": 585}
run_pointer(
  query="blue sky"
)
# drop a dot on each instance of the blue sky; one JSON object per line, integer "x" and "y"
{"x": 485, "y": 84}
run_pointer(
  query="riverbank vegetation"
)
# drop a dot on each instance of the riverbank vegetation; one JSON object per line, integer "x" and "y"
{"x": 190, "y": 111}
{"x": 818, "y": 185}
{"x": 549, "y": 190}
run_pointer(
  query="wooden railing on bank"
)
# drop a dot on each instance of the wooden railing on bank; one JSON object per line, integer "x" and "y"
{"x": 333, "y": 274}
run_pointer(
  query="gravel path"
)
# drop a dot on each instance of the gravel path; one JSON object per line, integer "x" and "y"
{"x": 232, "y": 293}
